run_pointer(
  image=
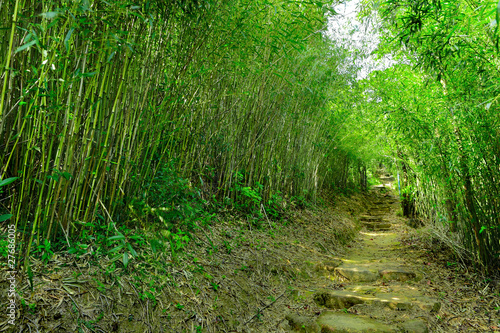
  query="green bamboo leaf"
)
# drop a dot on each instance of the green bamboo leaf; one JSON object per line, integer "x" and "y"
{"x": 131, "y": 249}
{"x": 66, "y": 175}
{"x": 116, "y": 249}
{"x": 115, "y": 258}
{"x": 8, "y": 181}
{"x": 451, "y": 32}
{"x": 117, "y": 237}
{"x": 111, "y": 56}
{"x": 5, "y": 217}
{"x": 89, "y": 74}
{"x": 125, "y": 259}
{"x": 25, "y": 46}
{"x": 54, "y": 177}
{"x": 67, "y": 38}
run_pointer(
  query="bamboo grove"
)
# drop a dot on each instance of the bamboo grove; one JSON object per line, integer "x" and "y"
{"x": 441, "y": 116}
{"x": 99, "y": 99}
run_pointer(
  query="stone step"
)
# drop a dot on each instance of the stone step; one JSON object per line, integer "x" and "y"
{"x": 377, "y": 213}
{"x": 380, "y": 206}
{"x": 330, "y": 322}
{"x": 345, "y": 299}
{"x": 369, "y": 273}
{"x": 397, "y": 274}
{"x": 387, "y": 179}
{"x": 377, "y": 226}
{"x": 360, "y": 274}
{"x": 383, "y": 210}
{"x": 369, "y": 218}
{"x": 383, "y": 202}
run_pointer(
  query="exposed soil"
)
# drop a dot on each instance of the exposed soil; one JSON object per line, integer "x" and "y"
{"x": 279, "y": 278}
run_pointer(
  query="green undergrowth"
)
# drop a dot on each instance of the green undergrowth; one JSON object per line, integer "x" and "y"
{"x": 167, "y": 213}
{"x": 171, "y": 211}
{"x": 174, "y": 244}
{"x": 218, "y": 268}
{"x": 152, "y": 114}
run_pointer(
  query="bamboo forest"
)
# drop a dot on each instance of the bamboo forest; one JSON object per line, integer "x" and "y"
{"x": 250, "y": 166}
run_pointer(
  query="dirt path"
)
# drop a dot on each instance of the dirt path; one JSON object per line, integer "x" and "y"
{"x": 379, "y": 289}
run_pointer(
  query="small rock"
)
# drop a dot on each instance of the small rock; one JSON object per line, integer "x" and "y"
{"x": 377, "y": 226}
{"x": 368, "y": 218}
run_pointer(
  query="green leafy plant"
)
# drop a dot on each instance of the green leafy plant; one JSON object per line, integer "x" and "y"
{"x": 4, "y": 251}
{"x": 299, "y": 201}
{"x": 45, "y": 251}
{"x": 78, "y": 249}
{"x": 31, "y": 307}
{"x": 121, "y": 248}
{"x": 100, "y": 286}
{"x": 274, "y": 206}
{"x": 148, "y": 295}
{"x": 247, "y": 198}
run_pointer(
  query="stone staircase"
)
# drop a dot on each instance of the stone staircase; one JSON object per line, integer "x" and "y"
{"x": 379, "y": 289}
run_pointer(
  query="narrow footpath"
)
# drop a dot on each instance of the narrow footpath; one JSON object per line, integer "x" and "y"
{"x": 378, "y": 290}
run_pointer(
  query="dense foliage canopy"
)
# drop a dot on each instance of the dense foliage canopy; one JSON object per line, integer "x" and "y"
{"x": 157, "y": 112}
{"x": 441, "y": 115}
{"x": 153, "y": 111}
